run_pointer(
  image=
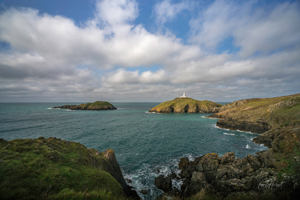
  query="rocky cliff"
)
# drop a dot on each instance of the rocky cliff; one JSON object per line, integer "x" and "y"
{"x": 270, "y": 174}
{"x": 186, "y": 105}
{"x": 98, "y": 105}
{"x": 58, "y": 169}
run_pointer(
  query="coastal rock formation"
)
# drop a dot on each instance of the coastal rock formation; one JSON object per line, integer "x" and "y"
{"x": 57, "y": 169}
{"x": 97, "y": 105}
{"x": 223, "y": 175}
{"x": 187, "y": 105}
{"x": 274, "y": 172}
{"x": 260, "y": 115}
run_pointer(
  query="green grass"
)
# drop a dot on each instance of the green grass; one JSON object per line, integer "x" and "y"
{"x": 53, "y": 169}
{"x": 96, "y": 105}
{"x": 181, "y": 103}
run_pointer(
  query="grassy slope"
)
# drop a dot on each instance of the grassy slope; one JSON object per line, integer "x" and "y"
{"x": 54, "y": 169}
{"x": 276, "y": 111}
{"x": 96, "y": 105}
{"x": 180, "y": 103}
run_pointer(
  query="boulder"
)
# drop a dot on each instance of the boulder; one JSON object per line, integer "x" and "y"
{"x": 210, "y": 162}
{"x": 163, "y": 183}
{"x": 198, "y": 177}
{"x": 183, "y": 163}
{"x": 228, "y": 157}
{"x": 253, "y": 161}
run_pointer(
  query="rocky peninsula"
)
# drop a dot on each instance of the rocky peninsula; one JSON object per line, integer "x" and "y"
{"x": 186, "y": 105}
{"x": 97, "y": 105}
{"x": 57, "y": 169}
{"x": 270, "y": 174}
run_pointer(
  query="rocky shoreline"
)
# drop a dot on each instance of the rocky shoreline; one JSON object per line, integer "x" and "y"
{"x": 273, "y": 171}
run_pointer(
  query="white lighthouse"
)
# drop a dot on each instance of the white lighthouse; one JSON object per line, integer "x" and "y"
{"x": 183, "y": 96}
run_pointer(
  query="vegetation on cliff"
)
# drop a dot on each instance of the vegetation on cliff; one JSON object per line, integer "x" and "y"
{"x": 97, "y": 105}
{"x": 186, "y": 105}
{"x": 57, "y": 169}
{"x": 260, "y": 115}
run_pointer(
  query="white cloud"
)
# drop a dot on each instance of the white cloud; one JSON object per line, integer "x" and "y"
{"x": 253, "y": 29}
{"x": 123, "y": 76}
{"x": 166, "y": 11}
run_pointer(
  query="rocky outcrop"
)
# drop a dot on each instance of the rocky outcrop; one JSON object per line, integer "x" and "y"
{"x": 98, "y": 105}
{"x": 187, "y": 105}
{"x": 115, "y": 170}
{"x": 224, "y": 175}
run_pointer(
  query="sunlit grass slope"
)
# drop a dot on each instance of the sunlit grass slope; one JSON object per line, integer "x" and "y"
{"x": 54, "y": 169}
{"x": 183, "y": 105}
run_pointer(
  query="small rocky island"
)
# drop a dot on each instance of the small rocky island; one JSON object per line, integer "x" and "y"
{"x": 184, "y": 104}
{"x": 97, "y": 105}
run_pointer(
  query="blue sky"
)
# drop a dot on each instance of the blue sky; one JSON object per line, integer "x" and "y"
{"x": 130, "y": 50}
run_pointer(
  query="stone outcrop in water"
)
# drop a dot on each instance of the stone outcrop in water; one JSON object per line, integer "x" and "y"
{"x": 186, "y": 105}
{"x": 98, "y": 105}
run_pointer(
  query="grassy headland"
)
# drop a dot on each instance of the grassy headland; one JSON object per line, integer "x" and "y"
{"x": 186, "y": 105}
{"x": 57, "y": 169}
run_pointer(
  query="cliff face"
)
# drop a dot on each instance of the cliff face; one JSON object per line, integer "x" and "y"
{"x": 98, "y": 105}
{"x": 57, "y": 169}
{"x": 186, "y": 105}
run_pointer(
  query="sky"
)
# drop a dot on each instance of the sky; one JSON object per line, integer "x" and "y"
{"x": 148, "y": 51}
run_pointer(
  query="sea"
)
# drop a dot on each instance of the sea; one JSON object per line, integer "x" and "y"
{"x": 146, "y": 145}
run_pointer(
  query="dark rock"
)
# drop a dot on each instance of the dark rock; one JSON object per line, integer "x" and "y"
{"x": 192, "y": 189}
{"x": 209, "y": 162}
{"x": 255, "y": 164}
{"x": 128, "y": 180}
{"x": 228, "y": 157}
{"x": 114, "y": 169}
{"x": 163, "y": 183}
{"x": 236, "y": 184}
{"x": 144, "y": 191}
{"x": 183, "y": 163}
{"x": 198, "y": 177}
{"x": 210, "y": 176}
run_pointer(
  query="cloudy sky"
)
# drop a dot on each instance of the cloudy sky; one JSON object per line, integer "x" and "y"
{"x": 138, "y": 50}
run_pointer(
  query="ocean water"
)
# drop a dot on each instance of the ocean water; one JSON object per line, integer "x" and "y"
{"x": 143, "y": 142}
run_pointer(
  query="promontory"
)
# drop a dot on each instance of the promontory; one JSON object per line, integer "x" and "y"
{"x": 186, "y": 105}
{"x": 97, "y": 105}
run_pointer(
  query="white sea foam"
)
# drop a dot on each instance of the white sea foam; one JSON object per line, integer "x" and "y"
{"x": 228, "y": 134}
{"x": 245, "y": 131}
{"x": 247, "y": 146}
{"x": 221, "y": 128}
{"x": 49, "y": 108}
